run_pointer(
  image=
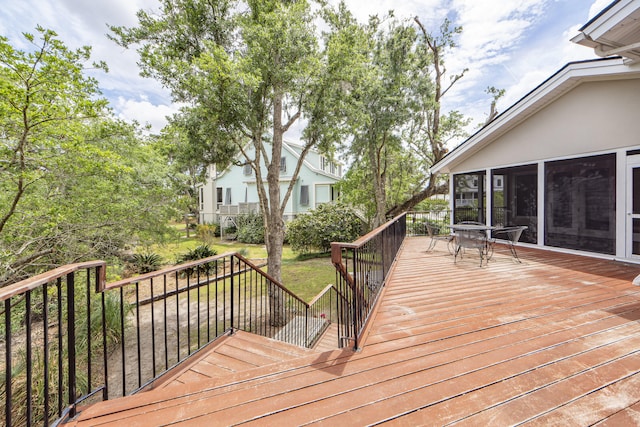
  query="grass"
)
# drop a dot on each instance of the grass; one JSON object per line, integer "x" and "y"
{"x": 304, "y": 276}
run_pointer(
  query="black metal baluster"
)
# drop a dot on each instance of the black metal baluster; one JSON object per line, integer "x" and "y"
{"x": 164, "y": 299}
{"x": 89, "y": 330}
{"x": 105, "y": 390}
{"x": 198, "y": 302}
{"x": 45, "y": 329}
{"x": 208, "y": 305}
{"x": 71, "y": 341}
{"x": 177, "y": 319}
{"x": 60, "y": 344}
{"x": 8, "y": 362}
{"x": 153, "y": 330}
{"x": 188, "y": 314}
{"x": 138, "y": 334}
{"x": 122, "y": 343}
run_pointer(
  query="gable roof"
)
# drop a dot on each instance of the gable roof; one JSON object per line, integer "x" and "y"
{"x": 295, "y": 150}
{"x": 564, "y": 80}
{"x": 614, "y": 31}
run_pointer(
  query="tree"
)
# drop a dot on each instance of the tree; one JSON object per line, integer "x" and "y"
{"x": 431, "y": 129}
{"x": 380, "y": 94}
{"x": 68, "y": 174}
{"x": 248, "y": 72}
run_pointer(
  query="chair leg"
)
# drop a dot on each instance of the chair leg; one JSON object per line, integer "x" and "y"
{"x": 451, "y": 245}
{"x": 432, "y": 244}
{"x": 514, "y": 254}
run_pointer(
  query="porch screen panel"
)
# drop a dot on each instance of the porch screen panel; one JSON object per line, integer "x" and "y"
{"x": 469, "y": 197}
{"x": 635, "y": 242}
{"x": 515, "y": 199}
{"x": 580, "y": 203}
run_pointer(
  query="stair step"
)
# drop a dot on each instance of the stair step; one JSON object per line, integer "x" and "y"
{"x": 230, "y": 354}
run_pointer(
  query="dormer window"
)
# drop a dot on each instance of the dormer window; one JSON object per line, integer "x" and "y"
{"x": 283, "y": 164}
{"x": 247, "y": 169}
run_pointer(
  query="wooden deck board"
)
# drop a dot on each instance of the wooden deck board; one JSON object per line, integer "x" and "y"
{"x": 554, "y": 340}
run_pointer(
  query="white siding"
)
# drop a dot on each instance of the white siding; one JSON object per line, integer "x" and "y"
{"x": 592, "y": 118}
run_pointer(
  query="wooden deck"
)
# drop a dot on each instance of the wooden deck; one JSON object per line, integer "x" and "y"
{"x": 552, "y": 341}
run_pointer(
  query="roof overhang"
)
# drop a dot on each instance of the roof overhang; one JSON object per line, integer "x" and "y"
{"x": 614, "y": 31}
{"x": 566, "y": 79}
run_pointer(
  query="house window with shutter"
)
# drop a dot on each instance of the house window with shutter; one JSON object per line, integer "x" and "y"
{"x": 283, "y": 164}
{"x": 304, "y": 195}
{"x": 227, "y": 199}
{"x": 201, "y": 198}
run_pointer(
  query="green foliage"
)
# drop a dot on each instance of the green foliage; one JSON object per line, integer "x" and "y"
{"x": 145, "y": 262}
{"x": 250, "y": 228}
{"x": 207, "y": 232}
{"x": 199, "y": 252}
{"x": 247, "y": 71}
{"x": 317, "y": 229}
{"x": 75, "y": 184}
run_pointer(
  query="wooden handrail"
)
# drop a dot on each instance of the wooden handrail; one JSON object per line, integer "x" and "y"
{"x": 41, "y": 279}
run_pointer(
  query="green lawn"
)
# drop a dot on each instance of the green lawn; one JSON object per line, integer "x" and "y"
{"x": 305, "y": 278}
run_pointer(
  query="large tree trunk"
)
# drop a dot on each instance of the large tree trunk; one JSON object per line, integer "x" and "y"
{"x": 378, "y": 162}
{"x": 274, "y": 220}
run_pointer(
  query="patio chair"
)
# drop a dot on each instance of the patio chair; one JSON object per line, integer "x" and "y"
{"x": 512, "y": 235}
{"x": 472, "y": 239}
{"x": 489, "y": 240}
{"x": 435, "y": 233}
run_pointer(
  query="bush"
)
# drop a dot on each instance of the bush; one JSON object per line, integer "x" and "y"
{"x": 200, "y": 252}
{"x": 250, "y": 228}
{"x": 317, "y": 229}
{"x": 207, "y": 232}
{"x": 145, "y": 263}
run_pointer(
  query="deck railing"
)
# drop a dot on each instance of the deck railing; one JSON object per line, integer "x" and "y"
{"x": 51, "y": 329}
{"x": 362, "y": 268}
{"x": 68, "y": 338}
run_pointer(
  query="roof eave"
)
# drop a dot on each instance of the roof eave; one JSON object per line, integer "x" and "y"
{"x": 565, "y": 79}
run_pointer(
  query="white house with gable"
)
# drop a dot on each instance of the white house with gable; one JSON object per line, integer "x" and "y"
{"x": 233, "y": 191}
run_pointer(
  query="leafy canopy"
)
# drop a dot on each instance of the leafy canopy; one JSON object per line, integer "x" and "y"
{"x": 75, "y": 184}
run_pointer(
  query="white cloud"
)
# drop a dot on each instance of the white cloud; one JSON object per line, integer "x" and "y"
{"x": 144, "y": 112}
{"x": 509, "y": 44}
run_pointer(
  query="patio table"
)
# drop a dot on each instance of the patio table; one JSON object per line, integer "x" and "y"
{"x": 473, "y": 236}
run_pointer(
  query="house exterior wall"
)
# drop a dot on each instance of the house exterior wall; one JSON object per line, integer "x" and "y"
{"x": 594, "y": 117}
{"x": 594, "y": 120}
{"x": 315, "y": 173}
{"x": 207, "y": 198}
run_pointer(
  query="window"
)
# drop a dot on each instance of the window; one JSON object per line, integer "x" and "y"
{"x": 201, "y": 198}
{"x": 323, "y": 163}
{"x": 227, "y": 200}
{"x": 247, "y": 169}
{"x": 335, "y": 193}
{"x": 283, "y": 164}
{"x": 304, "y": 195}
{"x": 580, "y": 203}
{"x": 218, "y": 197}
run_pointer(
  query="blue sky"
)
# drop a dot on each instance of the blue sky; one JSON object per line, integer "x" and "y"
{"x": 510, "y": 44}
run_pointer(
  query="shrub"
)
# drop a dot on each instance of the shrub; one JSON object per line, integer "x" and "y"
{"x": 250, "y": 228}
{"x": 145, "y": 262}
{"x": 323, "y": 225}
{"x": 207, "y": 232}
{"x": 200, "y": 252}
